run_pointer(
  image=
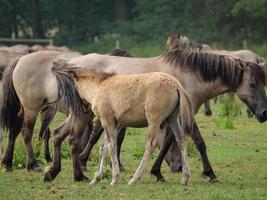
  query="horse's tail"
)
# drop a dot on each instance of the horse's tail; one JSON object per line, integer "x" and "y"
{"x": 66, "y": 85}
{"x": 11, "y": 112}
{"x": 186, "y": 117}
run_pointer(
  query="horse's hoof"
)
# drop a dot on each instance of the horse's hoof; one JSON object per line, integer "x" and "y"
{"x": 48, "y": 160}
{"x": 161, "y": 180}
{"x": 82, "y": 178}
{"x": 84, "y": 168}
{"x": 208, "y": 113}
{"x": 7, "y": 169}
{"x": 48, "y": 177}
{"x": 122, "y": 168}
{"x": 214, "y": 180}
{"x": 37, "y": 168}
{"x": 34, "y": 167}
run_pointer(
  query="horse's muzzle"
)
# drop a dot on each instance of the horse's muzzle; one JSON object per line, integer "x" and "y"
{"x": 262, "y": 117}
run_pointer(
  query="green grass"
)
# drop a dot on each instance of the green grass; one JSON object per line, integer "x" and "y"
{"x": 238, "y": 156}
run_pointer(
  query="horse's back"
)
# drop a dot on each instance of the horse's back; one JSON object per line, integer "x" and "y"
{"x": 33, "y": 79}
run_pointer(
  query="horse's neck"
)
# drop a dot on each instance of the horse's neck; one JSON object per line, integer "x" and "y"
{"x": 200, "y": 91}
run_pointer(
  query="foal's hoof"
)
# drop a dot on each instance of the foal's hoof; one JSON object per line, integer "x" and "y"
{"x": 95, "y": 181}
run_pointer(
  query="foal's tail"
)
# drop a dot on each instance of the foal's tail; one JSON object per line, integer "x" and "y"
{"x": 11, "y": 112}
{"x": 64, "y": 75}
{"x": 186, "y": 116}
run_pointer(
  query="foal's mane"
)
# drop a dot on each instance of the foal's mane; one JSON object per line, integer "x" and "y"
{"x": 211, "y": 66}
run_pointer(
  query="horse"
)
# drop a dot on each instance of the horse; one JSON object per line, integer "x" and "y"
{"x": 183, "y": 42}
{"x": 202, "y": 74}
{"x": 26, "y": 88}
{"x": 25, "y": 97}
{"x": 114, "y": 99}
{"x": 6, "y": 58}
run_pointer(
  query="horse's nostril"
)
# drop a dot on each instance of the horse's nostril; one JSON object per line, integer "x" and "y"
{"x": 264, "y": 113}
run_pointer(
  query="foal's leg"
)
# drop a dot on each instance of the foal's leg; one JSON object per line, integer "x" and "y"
{"x": 59, "y": 134}
{"x": 153, "y": 131}
{"x": 180, "y": 139}
{"x": 102, "y": 153}
{"x": 94, "y": 137}
{"x": 207, "y": 108}
{"x": 27, "y": 131}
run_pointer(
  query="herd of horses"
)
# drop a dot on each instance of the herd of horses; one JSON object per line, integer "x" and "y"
{"x": 162, "y": 93}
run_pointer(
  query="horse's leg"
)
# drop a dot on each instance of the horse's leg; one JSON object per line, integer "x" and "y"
{"x": 59, "y": 135}
{"x": 207, "y": 108}
{"x": 46, "y": 117}
{"x": 153, "y": 132}
{"x": 120, "y": 139}
{"x": 27, "y": 131}
{"x": 94, "y": 137}
{"x": 86, "y": 136}
{"x": 155, "y": 170}
{"x": 201, "y": 147}
{"x": 180, "y": 139}
{"x": 1, "y": 143}
{"x": 100, "y": 168}
{"x": 78, "y": 126}
{"x": 46, "y": 146}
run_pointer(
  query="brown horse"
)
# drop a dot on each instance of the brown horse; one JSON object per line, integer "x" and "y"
{"x": 202, "y": 74}
{"x": 7, "y": 58}
{"x": 26, "y": 88}
{"x": 183, "y": 42}
{"x": 25, "y": 97}
{"x": 113, "y": 99}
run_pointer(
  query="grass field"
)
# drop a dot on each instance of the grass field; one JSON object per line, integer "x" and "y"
{"x": 238, "y": 156}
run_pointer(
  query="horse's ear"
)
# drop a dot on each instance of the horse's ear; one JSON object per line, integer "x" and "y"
{"x": 178, "y": 35}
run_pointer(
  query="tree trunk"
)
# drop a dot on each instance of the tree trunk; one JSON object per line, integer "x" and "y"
{"x": 37, "y": 28}
{"x": 121, "y": 9}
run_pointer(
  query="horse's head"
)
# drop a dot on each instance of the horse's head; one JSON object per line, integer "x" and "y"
{"x": 251, "y": 91}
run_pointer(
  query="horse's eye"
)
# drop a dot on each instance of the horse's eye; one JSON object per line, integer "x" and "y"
{"x": 252, "y": 85}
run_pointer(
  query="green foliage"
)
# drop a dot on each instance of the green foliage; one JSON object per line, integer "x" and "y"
{"x": 75, "y": 23}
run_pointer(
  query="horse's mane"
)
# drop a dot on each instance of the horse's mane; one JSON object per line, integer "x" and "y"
{"x": 212, "y": 66}
{"x": 120, "y": 52}
{"x": 98, "y": 76}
